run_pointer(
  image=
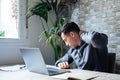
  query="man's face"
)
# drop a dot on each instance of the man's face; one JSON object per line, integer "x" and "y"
{"x": 69, "y": 39}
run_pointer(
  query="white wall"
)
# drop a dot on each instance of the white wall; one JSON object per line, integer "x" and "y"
{"x": 9, "y": 50}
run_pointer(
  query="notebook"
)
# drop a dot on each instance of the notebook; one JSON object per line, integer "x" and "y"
{"x": 34, "y": 62}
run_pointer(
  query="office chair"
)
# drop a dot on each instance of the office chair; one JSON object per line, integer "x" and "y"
{"x": 111, "y": 62}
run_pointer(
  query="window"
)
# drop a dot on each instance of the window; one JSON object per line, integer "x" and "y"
{"x": 13, "y": 21}
{"x": 9, "y": 19}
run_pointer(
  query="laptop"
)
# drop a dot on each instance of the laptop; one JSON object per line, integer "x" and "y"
{"x": 34, "y": 62}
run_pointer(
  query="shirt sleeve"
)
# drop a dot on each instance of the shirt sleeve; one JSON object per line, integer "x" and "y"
{"x": 66, "y": 57}
{"x": 98, "y": 40}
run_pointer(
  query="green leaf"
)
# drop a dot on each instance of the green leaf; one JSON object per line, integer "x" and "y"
{"x": 62, "y": 20}
{"x": 2, "y": 33}
{"x": 40, "y": 9}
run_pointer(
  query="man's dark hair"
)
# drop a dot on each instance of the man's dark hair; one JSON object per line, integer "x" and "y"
{"x": 68, "y": 27}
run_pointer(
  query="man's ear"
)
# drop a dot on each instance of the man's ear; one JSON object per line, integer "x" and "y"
{"x": 72, "y": 34}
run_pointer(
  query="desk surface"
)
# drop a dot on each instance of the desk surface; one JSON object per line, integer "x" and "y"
{"x": 12, "y": 73}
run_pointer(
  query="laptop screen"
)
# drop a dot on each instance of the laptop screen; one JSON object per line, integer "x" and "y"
{"x": 33, "y": 60}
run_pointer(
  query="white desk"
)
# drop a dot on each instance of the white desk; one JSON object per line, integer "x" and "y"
{"x": 26, "y": 75}
{"x": 21, "y": 74}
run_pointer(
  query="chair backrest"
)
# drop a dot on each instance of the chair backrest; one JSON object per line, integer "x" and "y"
{"x": 111, "y": 62}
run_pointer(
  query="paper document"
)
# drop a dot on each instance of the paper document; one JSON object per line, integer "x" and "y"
{"x": 76, "y": 75}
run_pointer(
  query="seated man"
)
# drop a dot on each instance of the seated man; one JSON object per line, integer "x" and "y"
{"x": 88, "y": 50}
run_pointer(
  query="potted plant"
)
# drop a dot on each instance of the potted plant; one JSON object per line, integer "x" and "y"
{"x": 42, "y": 10}
{"x": 2, "y": 33}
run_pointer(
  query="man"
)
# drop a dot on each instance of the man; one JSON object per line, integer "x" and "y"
{"x": 88, "y": 50}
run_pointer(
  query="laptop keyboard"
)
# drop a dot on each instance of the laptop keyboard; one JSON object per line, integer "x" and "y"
{"x": 56, "y": 71}
{"x": 52, "y": 70}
